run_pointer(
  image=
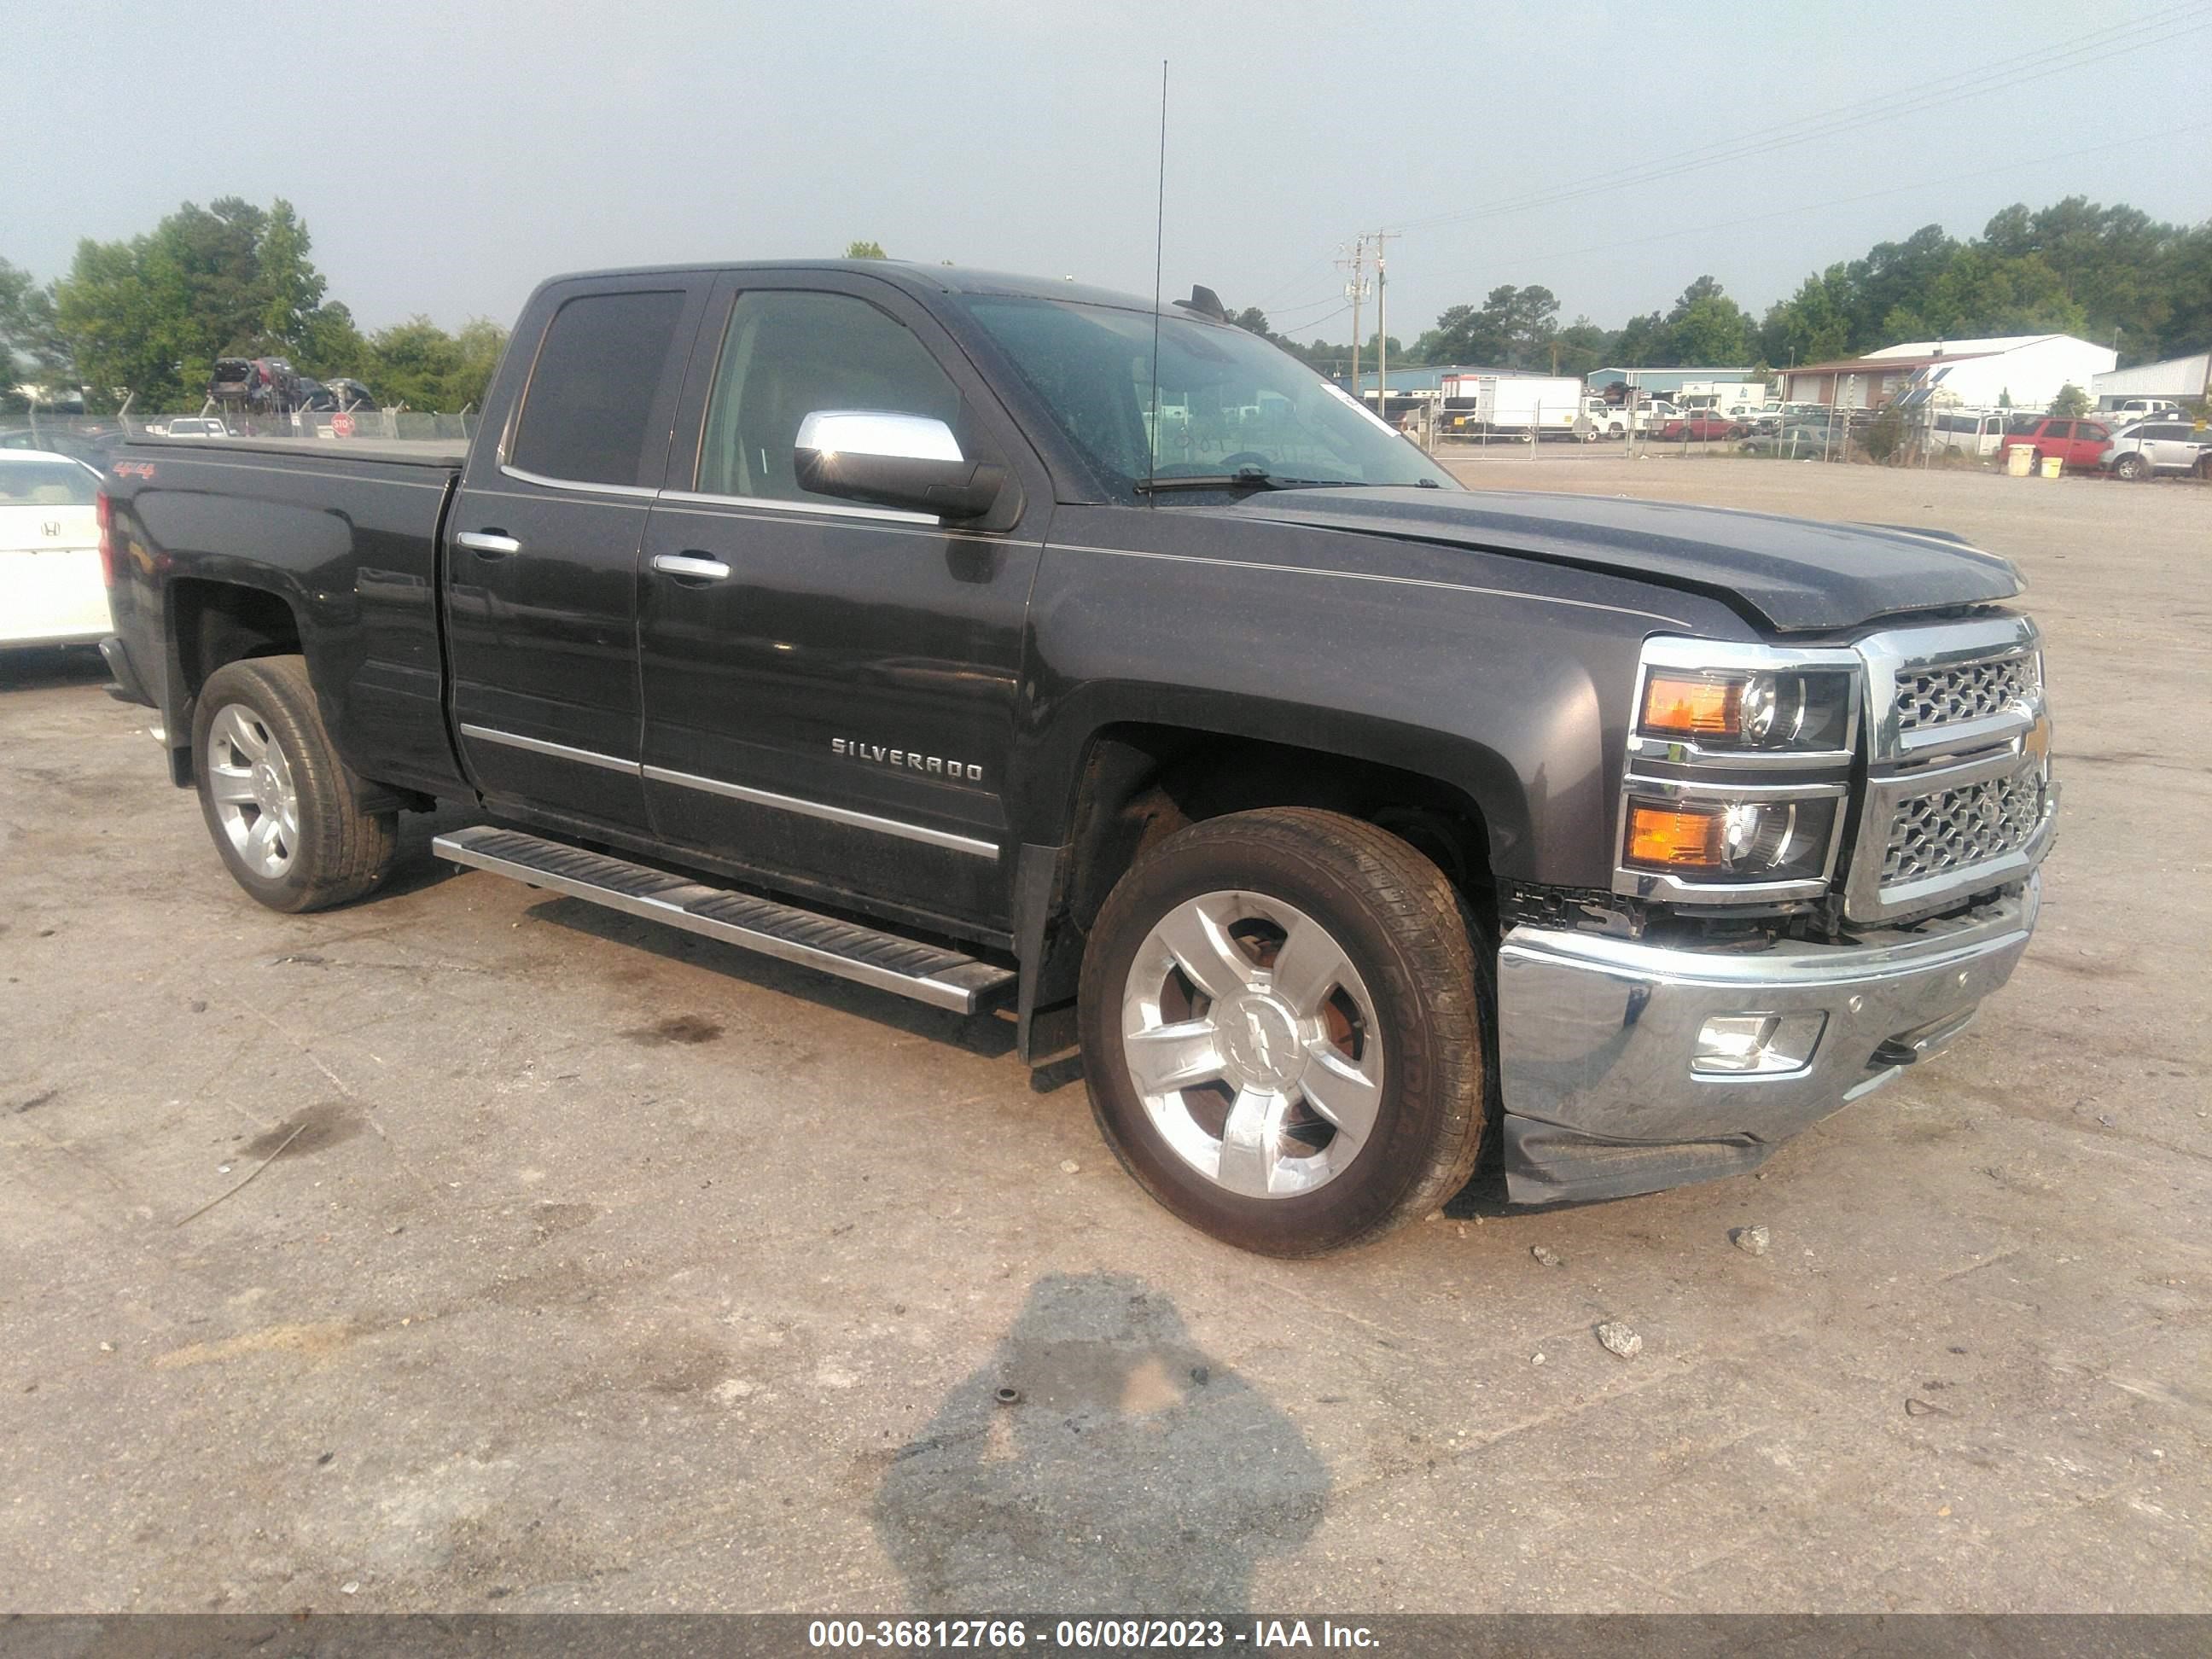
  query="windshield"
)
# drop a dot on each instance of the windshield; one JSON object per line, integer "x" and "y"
{"x": 1228, "y": 400}
{"x": 45, "y": 483}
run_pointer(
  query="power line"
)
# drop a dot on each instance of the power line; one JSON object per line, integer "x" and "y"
{"x": 2115, "y": 40}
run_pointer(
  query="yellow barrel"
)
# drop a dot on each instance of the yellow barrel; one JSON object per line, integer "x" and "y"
{"x": 2052, "y": 466}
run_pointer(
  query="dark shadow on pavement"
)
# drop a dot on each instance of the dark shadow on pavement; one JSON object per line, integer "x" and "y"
{"x": 24, "y": 667}
{"x": 1131, "y": 1473}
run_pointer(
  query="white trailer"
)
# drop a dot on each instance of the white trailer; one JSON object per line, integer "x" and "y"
{"x": 1722, "y": 396}
{"x": 1518, "y": 406}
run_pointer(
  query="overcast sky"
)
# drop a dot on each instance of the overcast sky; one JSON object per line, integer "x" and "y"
{"x": 447, "y": 157}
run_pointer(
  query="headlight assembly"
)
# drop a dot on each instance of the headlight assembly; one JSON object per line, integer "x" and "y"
{"x": 1739, "y": 763}
{"x": 1800, "y": 711}
{"x": 1733, "y": 840}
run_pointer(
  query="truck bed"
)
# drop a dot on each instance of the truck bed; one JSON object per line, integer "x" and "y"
{"x": 337, "y": 544}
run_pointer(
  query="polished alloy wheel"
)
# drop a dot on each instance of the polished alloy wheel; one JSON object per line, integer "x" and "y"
{"x": 250, "y": 779}
{"x": 1254, "y": 1044}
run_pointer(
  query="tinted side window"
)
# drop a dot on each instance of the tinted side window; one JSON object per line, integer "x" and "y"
{"x": 787, "y": 355}
{"x": 592, "y": 390}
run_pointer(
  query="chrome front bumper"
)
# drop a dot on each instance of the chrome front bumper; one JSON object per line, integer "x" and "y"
{"x": 1597, "y": 1036}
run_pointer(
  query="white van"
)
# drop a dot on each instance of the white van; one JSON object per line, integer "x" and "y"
{"x": 1969, "y": 432}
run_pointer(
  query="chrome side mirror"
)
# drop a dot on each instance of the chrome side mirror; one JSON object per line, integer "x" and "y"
{"x": 892, "y": 459}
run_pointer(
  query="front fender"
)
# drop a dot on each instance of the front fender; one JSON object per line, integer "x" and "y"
{"x": 1507, "y": 681}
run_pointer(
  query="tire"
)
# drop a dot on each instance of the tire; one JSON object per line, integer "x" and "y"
{"x": 2131, "y": 467}
{"x": 286, "y": 815}
{"x": 1398, "y": 1018}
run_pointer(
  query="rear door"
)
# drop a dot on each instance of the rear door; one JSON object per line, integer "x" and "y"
{"x": 2171, "y": 450}
{"x": 830, "y": 689}
{"x": 543, "y": 540}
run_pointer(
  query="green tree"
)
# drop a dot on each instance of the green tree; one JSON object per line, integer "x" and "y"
{"x": 1814, "y": 325}
{"x": 864, "y": 250}
{"x": 1707, "y": 328}
{"x": 2070, "y": 404}
{"x": 419, "y": 364}
{"x": 1511, "y": 329}
{"x": 1643, "y": 343}
{"x": 31, "y": 350}
{"x": 1254, "y": 320}
{"x": 1581, "y": 346}
{"x": 151, "y": 315}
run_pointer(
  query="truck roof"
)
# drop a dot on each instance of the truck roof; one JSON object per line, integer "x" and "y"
{"x": 941, "y": 279}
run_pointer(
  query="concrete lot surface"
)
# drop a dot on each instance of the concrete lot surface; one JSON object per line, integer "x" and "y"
{"x": 611, "y": 1270}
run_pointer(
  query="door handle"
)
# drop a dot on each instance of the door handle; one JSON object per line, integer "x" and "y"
{"x": 488, "y": 544}
{"x": 690, "y": 564}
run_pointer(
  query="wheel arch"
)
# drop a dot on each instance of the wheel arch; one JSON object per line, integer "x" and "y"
{"x": 1127, "y": 783}
{"x": 212, "y": 622}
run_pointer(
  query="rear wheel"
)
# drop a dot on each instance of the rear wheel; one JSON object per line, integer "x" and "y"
{"x": 1282, "y": 1030}
{"x": 2131, "y": 467}
{"x": 285, "y": 813}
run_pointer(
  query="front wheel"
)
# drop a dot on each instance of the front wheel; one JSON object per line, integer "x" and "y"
{"x": 2131, "y": 467}
{"x": 1282, "y": 1024}
{"x": 285, "y": 813}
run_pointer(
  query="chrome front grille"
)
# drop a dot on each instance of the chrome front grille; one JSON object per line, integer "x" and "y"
{"x": 1959, "y": 795}
{"x": 1952, "y": 829}
{"x": 1963, "y": 692}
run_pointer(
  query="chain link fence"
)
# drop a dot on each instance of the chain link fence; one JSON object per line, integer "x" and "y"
{"x": 94, "y": 438}
{"x": 1592, "y": 430}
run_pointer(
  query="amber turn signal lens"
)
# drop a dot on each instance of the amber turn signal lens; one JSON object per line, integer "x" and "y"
{"x": 1685, "y": 706}
{"x": 1658, "y": 835}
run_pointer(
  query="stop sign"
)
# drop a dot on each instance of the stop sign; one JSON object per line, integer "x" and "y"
{"x": 341, "y": 425}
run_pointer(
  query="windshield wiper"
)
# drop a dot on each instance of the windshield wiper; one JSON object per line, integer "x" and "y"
{"x": 1244, "y": 478}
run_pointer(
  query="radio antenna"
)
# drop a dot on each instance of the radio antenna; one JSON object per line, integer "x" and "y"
{"x": 1159, "y": 228}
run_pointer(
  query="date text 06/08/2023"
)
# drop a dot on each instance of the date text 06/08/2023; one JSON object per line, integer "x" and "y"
{"x": 1000, "y": 1635}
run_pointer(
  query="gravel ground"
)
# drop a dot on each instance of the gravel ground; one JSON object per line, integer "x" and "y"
{"x": 608, "y": 1270}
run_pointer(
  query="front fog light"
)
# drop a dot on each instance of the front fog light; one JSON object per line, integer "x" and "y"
{"x": 1746, "y": 1044}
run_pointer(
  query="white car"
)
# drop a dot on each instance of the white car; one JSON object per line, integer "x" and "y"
{"x": 195, "y": 425}
{"x": 52, "y": 590}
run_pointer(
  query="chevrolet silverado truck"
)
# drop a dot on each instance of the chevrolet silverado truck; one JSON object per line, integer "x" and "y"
{"x": 1350, "y": 821}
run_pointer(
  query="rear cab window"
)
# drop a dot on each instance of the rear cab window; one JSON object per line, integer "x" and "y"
{"x": 587, "y": 411}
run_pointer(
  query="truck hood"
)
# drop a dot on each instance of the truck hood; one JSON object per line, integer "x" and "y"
{"x": 1795, "y": 573}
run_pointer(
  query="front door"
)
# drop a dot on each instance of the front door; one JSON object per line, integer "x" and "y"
{"x": 542, "y": 549}
{"x": 830, "y": 689}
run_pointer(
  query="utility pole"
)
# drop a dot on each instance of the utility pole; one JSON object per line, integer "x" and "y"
{"x": 1382, "y": 331}
{"x": 1356, "y": 290}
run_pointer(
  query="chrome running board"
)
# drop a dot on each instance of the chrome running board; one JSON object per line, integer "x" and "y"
{"x": 927, "y": 973}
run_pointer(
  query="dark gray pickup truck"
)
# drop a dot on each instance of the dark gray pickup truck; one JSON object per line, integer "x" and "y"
{"x": 907, "y": 623}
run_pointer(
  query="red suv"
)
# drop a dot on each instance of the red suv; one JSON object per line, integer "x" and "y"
{"x": 2076, "y": 443}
